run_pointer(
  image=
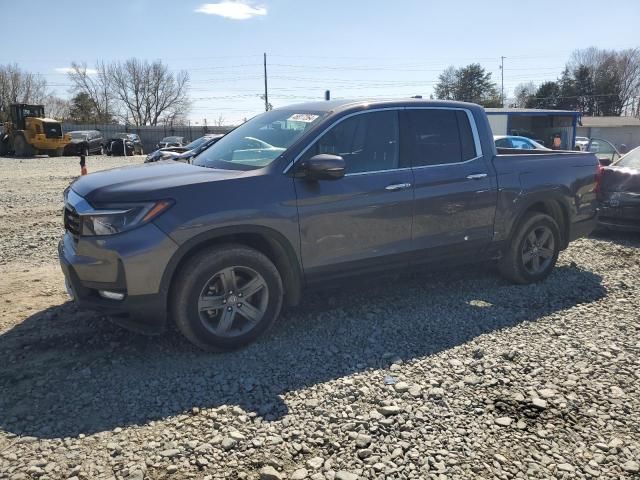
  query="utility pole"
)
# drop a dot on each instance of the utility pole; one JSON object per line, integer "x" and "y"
{"x": 266, "y": 95}
{"x": 502, "y": 80}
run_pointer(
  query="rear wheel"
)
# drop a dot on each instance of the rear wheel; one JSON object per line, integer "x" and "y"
{"x": 226, "y": 297}
{"x": 533, "y": 251}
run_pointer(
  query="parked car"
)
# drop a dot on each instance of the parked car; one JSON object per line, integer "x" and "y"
{"x": 85, "y": 142}
{"x": 620, "y": 193}
{"x": 183, "y": 153}
{"x": 513, "y": 141}
{"x": 302, "y": 196}
{"x": 582, "y": 143}
{"x": 606, "y": 151}
{"x": 171, "y": 142}
{"x": 114, "y": 146}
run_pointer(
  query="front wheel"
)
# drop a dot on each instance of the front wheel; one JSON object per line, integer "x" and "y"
{"x": 533, "y": 251}
{"x": 226, "y": 297}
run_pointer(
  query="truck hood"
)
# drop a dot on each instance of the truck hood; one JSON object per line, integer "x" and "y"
{"x": 150, "y": 181}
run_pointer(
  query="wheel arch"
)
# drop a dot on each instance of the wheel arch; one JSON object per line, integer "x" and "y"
{"x": 553, "y": 205}
{"x": 263, "y": 239}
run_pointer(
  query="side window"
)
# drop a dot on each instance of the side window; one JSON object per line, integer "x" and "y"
{"x": 436, "y": 137}
{"x": 368, "y": 142}
{"x": 503, "y": 143}
{"x": 521, "y": 144}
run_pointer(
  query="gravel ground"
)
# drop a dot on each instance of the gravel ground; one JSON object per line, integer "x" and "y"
{"x": 444, "y": 376}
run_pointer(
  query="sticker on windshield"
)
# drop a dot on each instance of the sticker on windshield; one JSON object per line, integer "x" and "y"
{"x": 303, "y": 117}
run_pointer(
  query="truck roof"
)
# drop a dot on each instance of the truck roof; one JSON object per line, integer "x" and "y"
{"x": 347, "y": 104}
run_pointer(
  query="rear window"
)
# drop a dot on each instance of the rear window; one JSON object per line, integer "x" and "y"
{"x": 437, "y": 137}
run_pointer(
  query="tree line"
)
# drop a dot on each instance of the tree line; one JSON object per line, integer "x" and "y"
{"x": 136, "y": 92}
{"x": 596, "y": 82}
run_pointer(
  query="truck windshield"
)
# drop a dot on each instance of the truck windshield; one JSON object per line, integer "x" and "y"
{"x": 258, "y": 142}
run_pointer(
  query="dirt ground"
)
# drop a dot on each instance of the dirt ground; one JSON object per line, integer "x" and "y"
{"x": 31, "y": 225}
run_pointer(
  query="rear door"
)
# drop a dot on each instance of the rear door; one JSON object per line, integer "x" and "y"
{"x": 455, "y": 189}
{"x": 361, "y": 222}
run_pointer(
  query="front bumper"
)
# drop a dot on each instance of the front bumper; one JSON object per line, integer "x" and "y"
{"x": 131, "y": 263}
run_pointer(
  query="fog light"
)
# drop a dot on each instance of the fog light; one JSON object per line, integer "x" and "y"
{"x": 111, "y": 295}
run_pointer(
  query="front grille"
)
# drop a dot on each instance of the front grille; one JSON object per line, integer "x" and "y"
{"x": 72, "y": 222}
{"x": 52, "y": 130}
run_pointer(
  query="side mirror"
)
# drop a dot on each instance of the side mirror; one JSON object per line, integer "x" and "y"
{"x": 321, "y": 167}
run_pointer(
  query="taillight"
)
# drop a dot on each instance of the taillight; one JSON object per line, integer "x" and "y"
{"x": 599, "y": 174}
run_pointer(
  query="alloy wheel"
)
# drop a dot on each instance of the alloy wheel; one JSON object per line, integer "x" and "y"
{"x": 538, "y": 250}
{"x": 233, "y": 301}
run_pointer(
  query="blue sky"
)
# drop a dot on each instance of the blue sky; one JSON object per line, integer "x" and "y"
{"x": 354, "y": 48}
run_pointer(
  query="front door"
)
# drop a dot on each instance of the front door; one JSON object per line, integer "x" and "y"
{"x": 361, "y": 222}
{"x": 455, "y": 190}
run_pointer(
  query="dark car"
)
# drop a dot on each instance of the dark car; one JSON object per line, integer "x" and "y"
{"x": 172, "y": 141}
{"x": 304, "y": 196}
{"x": 85, "y": 142}
{"x": 185, "y": 152}
{"x": 115, "y": 145}
{"x": 620, "y": 193}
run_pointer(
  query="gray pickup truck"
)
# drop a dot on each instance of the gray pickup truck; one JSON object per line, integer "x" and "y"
{"x": 308, "y": 194}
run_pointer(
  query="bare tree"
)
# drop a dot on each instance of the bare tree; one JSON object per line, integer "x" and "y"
{"x": 56, "y": 107}
{"x": 18, "y": 86}
{"x": 220, "y": 121}
{"x": 447, "y": 83}
{"x": 149, "y": 92}
{"x": 628, "y": 62}
{"x": 523, "y": 94}
{"x": 96, "y": 85}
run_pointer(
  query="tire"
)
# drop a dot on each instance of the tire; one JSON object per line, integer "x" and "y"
{"x": 56, "y": 152}
{"x": 21, "y": 147}
{"x": 533, "y": 251}
{"x": 4, "y": 146}
{"x": 205, "y": 280}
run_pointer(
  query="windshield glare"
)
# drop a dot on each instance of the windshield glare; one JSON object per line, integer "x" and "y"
{"x": 630, "y": 160}
{"x": 258, "y": 142}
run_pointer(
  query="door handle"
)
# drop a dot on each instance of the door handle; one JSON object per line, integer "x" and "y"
{"x": 397, "y": 186}
{"x": 476, "y": 176}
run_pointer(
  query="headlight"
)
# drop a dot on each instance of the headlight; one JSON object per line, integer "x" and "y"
{"x": 119, "y": 218}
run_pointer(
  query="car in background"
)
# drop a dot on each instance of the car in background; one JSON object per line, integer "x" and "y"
{"x": 582, "y": 143}
{"x": 114, "y": 146}
{"x": 85, "y": 142}
{"x": 514, "y": 141}
{"x": 172, "y": 141}
{"x": 606, "y": 151}
{"x": 185, "y": 152}
{"x": 620, "y": 193}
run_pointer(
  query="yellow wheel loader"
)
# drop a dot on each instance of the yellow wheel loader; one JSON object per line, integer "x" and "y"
{"x": 29, "y": 133}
